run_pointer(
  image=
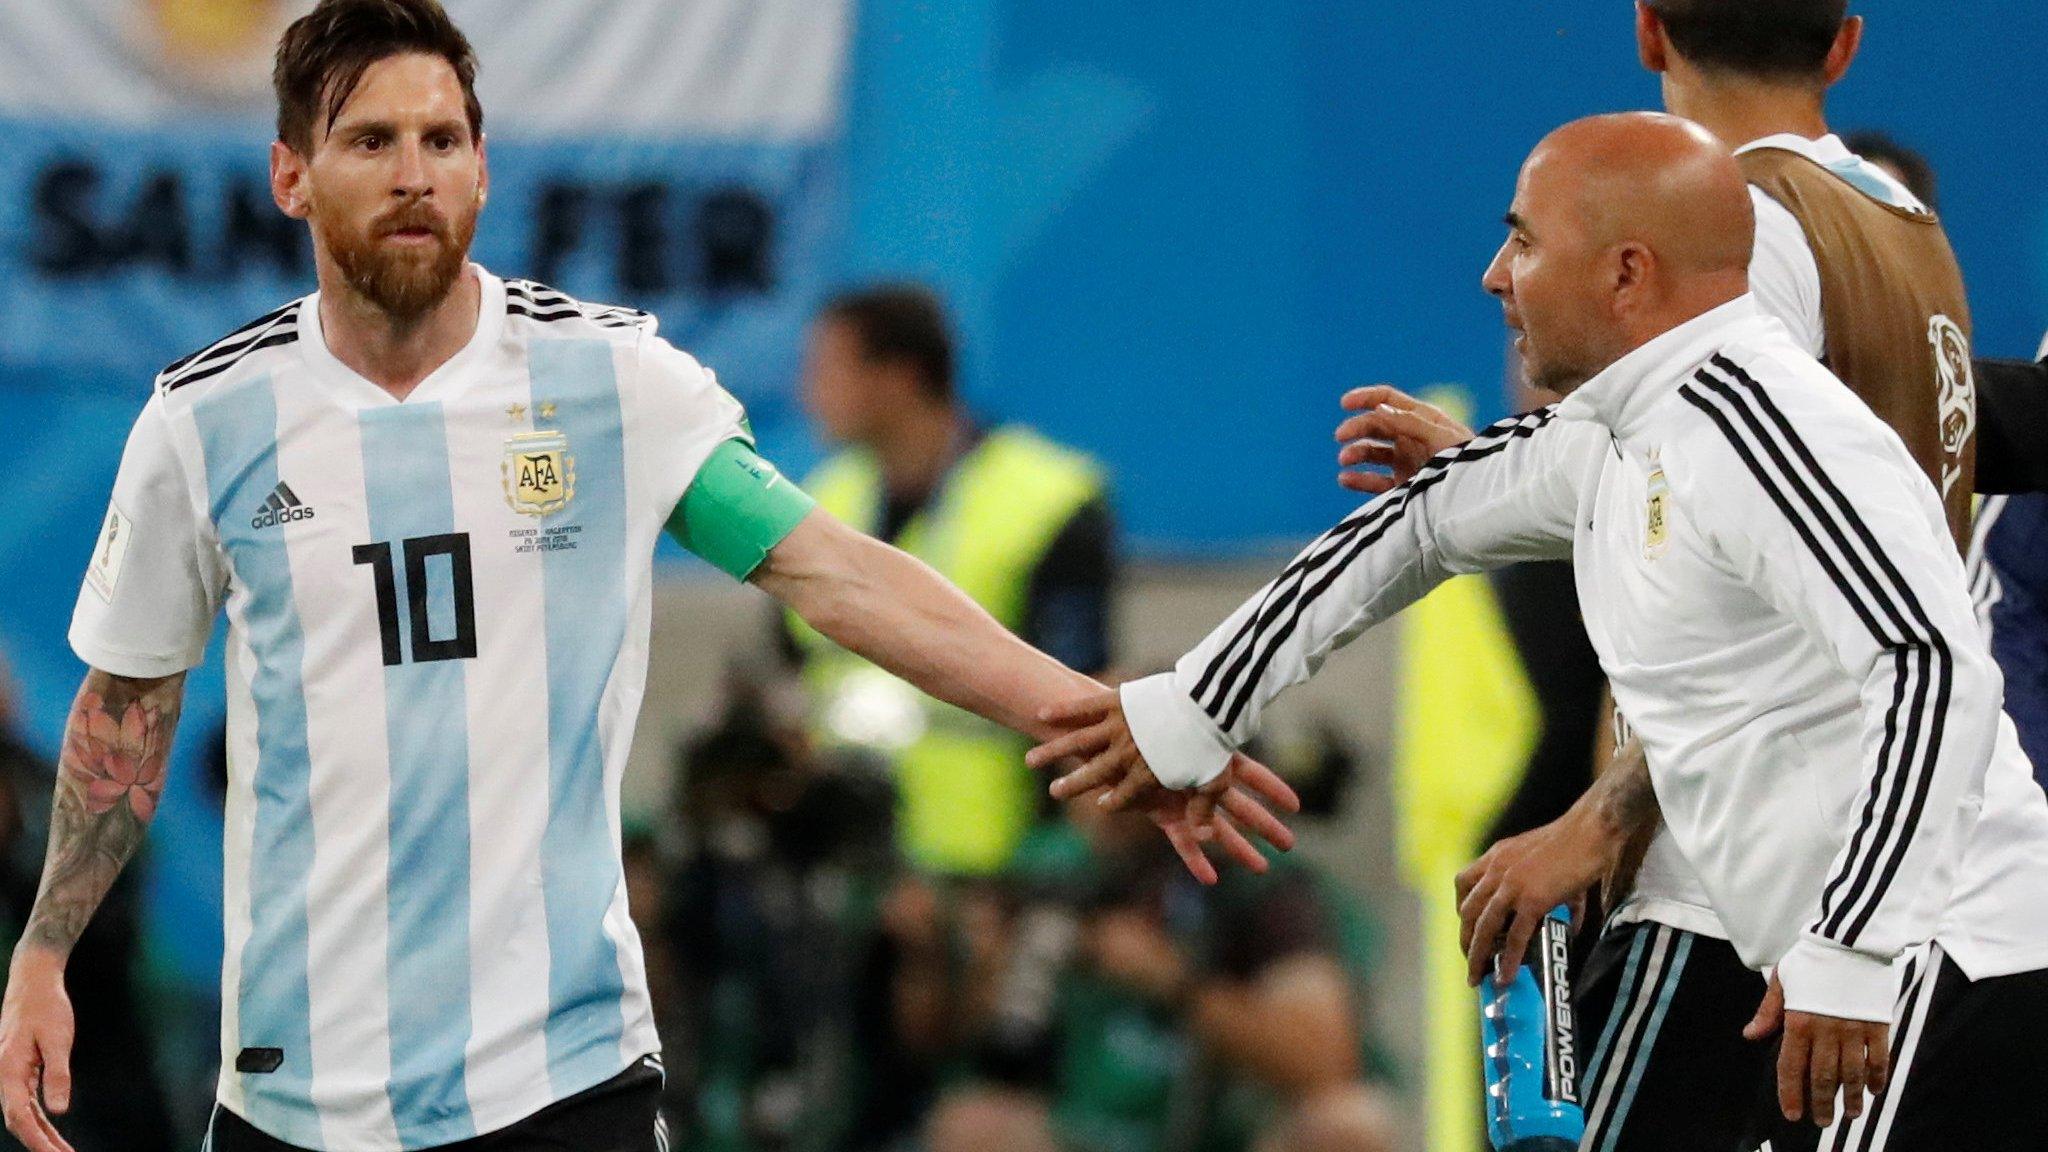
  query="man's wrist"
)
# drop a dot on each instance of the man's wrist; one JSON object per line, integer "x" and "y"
{"x": 1595, "y": 827}
{"x": 1179, "y": 741}
{"x": 34, "y": 957}
{"x": 1824, "y": 979}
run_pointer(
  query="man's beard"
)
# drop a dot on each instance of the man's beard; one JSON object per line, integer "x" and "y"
{"x": 1552, "y": 376}
{"x": 1562, "y": 369}
{"x": 406, "y": 283}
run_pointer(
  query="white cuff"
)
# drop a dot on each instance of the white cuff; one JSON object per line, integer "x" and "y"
{"x": 130, "y": 665}
{"x": 1183, "y": 746}
{"x": 1825, "y": 980}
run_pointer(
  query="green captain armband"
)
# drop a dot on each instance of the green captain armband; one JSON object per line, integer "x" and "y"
{"x": 737, "y": 510}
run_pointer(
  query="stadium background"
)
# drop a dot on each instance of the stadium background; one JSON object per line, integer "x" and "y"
{"x": 1170, "y": 234}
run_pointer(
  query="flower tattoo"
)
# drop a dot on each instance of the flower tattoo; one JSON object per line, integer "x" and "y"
{"x": 121, "y": 761}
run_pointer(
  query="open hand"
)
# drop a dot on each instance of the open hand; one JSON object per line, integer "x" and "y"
{"x": 1820, "y": 1056}
{"x": 1246, "y": 793}
{"x": 1394, "y": 431}
{"x": 36, "y": 1027}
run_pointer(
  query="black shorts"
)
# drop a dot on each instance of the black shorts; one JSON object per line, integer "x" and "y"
{"x": 1669, "y": 1071}
{"x": 1969, "y": 1069}
{"x": 620, "y": 1115}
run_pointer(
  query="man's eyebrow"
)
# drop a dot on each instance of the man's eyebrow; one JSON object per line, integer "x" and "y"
{"x": 1514, "y": 220}
{"x": 389, "y": 128}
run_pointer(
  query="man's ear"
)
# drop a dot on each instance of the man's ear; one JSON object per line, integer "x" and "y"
{"x": 288, "y": 185}
{"x": 1631, "y": 267}
{"x": 1843, "y": 54}
{"x": 1653, "y": 47}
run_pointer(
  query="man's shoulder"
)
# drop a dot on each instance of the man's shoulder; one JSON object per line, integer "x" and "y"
{"x": 1566, "y": 431}
{"x": 1025, "y": 447}
{"x": 1765, "y": 407}
{"x": 549, "y": 313}
{"x": 1798, "y": 173}
{"x": 229, "y": 357}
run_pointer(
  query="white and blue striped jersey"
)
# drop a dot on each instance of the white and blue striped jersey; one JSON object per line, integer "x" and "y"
{"x": 438, "y": 623}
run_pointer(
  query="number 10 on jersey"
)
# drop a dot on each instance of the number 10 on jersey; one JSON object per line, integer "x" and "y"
{"x": 422, "y": 581}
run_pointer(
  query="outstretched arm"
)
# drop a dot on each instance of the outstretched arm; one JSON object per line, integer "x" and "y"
{"x": 109, "y": 778}
{"x": 1510, "y": 494}
{"x": 892, "y": 609}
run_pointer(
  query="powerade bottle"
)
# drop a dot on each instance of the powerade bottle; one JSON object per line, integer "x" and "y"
{"x": 1532, "y": 1050}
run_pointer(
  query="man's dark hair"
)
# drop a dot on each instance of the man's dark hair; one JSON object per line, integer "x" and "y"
{"x": 324, "y": 54}
{"x": 1768, "y": 39}
{"x": 900, "y": 324}
{"x": 1913, "y": 169}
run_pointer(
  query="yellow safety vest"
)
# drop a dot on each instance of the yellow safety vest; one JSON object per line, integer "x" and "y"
{"x": 1467, "y": 723}
{"x": 965, "y": 798}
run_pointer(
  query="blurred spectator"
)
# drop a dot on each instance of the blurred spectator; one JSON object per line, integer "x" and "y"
{"x": 771, "y": 952}
{"x": 1019, "y": 523}
{"x": 118, "y": 1105}
{"x": 647, "y": 887}
{"x": 1131, "y": 1010}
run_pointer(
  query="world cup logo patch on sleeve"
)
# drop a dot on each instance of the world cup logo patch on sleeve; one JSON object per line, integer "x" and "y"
{"x": 1956, "y": 395}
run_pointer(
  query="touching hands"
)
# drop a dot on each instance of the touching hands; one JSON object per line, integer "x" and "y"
{"x": 1821, "y": 1055}
{"x": 1244, "y": 798}
{"x": 1394, "y": 431}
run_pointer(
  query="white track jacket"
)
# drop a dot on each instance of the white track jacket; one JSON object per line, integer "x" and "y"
{"x": 1768, "y": 580}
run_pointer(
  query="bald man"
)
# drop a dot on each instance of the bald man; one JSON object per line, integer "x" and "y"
{"x": 1859, "y": 270}
{"x": 1770, "y": 584}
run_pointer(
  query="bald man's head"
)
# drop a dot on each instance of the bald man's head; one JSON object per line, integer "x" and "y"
{"x": 1623, "y": 227}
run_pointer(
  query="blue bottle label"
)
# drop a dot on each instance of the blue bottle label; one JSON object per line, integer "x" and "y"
{"x": 1561, "y": 1053}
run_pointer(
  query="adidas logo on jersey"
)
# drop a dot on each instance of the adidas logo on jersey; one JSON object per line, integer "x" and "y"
{"x": 282, "y": 507}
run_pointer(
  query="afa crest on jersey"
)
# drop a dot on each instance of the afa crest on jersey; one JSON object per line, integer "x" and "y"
{"x": 1656, "y": 514}
{"x": 539, "y": 473}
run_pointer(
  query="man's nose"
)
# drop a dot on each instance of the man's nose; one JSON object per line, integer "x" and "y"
{"x": 410, "y": 177}
{"x": 1496, "y": 280}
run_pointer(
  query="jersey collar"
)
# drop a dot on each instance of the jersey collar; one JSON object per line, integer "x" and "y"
{"x": 1831, "y": 153}
{"x": 450, "y": 379}
{"x": 1623, "y": 394}
{"x": 1822, "y": 150}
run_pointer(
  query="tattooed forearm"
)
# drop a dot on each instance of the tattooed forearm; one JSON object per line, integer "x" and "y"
{"x": 109, "y": 777}
{"x": 1628, "y": 802}
{"x": 1628, "y": 809}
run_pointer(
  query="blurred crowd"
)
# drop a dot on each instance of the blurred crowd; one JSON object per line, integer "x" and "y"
{"x": 816, "y": 990}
